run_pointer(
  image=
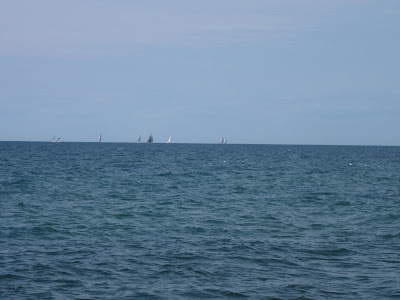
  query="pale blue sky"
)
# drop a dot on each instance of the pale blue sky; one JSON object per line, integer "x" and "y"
{"x": 274, "y": 72}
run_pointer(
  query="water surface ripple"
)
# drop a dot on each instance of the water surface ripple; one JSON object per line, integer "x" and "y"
{"x": 181, "y": 221}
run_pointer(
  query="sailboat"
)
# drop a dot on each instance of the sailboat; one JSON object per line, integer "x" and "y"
{"x": 221, "y": 141}
{"x": 150, "y": 139}
{"x": 226, "y": 140}
{"x": 99, "y": 140}
{"x": 139, "y": 140}
{"x": 54, "y": 139}
{"x": 169, "y": 140}
{"x": 58, "y": 140}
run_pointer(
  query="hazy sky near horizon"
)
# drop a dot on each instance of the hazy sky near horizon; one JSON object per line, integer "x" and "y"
{"x": 258, "y": 71}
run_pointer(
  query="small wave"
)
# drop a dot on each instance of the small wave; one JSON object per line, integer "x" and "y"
{"x": 330, "y": 252}
{"x": 11, "y": 276}
{"x": 392, "y": 217}
{"x": 317, "y": 226}
{"x": 44, "y": 229}
{"x": 212, "y": 292}
{"x": 195, "y": 229}
{"x": 165, "y": 174}
{"x": 145, "y": 295}
{"x": 342, "y": 203}
{"x": 239, "y": 190}
{"x": 69, "y": 282}
{"x": 165, "y": 272}
{"x": 234, "y": 294}
{"x": 391, "y": 235}
{"x": 122, "y": 215}
{"x": 195, "y": 269}
{"x": 385, "y": 178}
{"x": 20, "y": 181}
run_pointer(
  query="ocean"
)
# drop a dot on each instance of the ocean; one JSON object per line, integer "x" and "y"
{"x": 198, "y": 221}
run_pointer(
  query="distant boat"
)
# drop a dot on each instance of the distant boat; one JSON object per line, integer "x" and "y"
{"x": 54, "y": 139}
{"x": 169, "y": 140}
{"x": 226, "y": 140}
{"x": 58, "y": 140}
{"x": 150, "y": 139}
{"x": 139, "y": 140}
{"x": 99, "y": 140}
{"x": 221, "y": 141}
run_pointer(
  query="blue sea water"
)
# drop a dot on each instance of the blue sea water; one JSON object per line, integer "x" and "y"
{"x": 192, "y": 221}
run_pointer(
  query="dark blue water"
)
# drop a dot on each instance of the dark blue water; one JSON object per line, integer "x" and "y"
{"x": 158, "y": 221}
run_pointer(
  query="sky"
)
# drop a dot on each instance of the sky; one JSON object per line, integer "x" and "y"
{"x": 254, "y": 71}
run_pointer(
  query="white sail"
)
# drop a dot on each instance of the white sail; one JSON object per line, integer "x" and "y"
{"x": 99, "y": 140}
{"x": 222, "y": 140}
{"x": 169, "y": 140}
{"x": 139, "y": 140}
{"x": 54, "y": 139}
{"x": 58, "y": 140}
{"x": 226, "y": 140}
{"x": 150, "y": 139}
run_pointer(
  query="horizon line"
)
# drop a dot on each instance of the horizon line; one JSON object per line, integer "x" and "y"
{"x": 202, "y": 143}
